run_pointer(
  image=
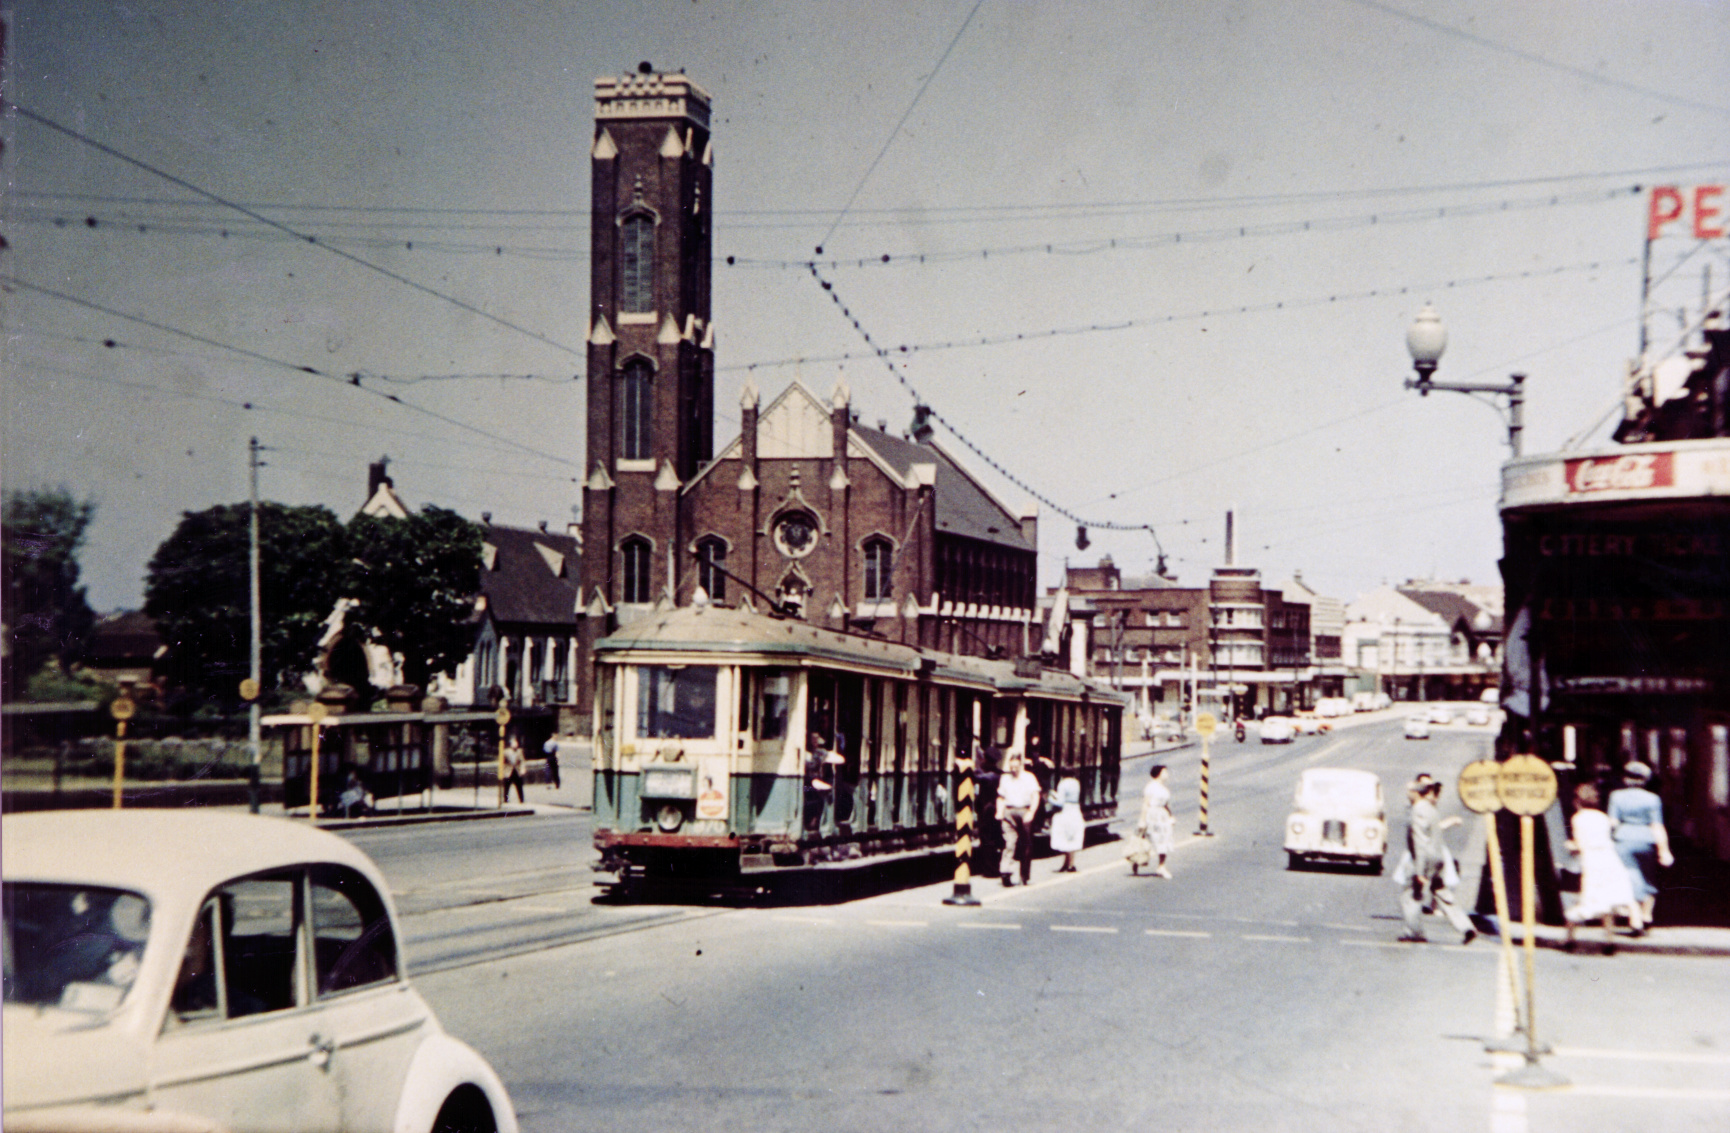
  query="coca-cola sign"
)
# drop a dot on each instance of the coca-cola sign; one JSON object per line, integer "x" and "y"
{"x": 1632, "y": 472}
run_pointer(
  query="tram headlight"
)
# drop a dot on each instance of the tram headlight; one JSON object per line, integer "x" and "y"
{"x": 669, "y": 818}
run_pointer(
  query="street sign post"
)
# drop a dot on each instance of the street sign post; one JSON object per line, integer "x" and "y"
{"x": 1206, "y": 723}
{"x": 122, "y": 709}
{"x": 316, "y": 713}
{"x": 1526, "y": 786}
{"x": 1477, "y": 788}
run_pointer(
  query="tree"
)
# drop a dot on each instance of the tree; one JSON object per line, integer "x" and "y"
{"x": 46, "y": 612}
{"x": 199, "y": 592}
{"x": 414, "y": 584}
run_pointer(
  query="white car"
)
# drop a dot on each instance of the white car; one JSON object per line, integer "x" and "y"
{"x": 1478, "y": 715}
{"x": 1337, "y": 815}
{"x": 1307, "y": 725}
{"x": 1276, "y": 730}
{"x": 1417, "y": 726}
{"x": 184, "y": 970}
{"x": 1439, "y": 714}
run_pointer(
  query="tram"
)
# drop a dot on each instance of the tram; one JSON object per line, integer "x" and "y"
{"x": 731, "y": 745}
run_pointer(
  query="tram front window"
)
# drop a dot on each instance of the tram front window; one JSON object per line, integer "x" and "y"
{"x": 676, "y": 702}
{"x": 777, "y": 688}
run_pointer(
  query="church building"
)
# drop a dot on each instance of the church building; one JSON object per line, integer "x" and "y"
{"x": 806, "y": 511}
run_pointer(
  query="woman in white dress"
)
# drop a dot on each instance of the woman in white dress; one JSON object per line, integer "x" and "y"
{"x": 1156, "y": 821}
{"x": 1605, "y": 888}
{"x": 1068, "y": 827}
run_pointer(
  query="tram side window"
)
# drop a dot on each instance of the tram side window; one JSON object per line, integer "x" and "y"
{"x": 777, "y": 692}
{"x": 676, "y": 702}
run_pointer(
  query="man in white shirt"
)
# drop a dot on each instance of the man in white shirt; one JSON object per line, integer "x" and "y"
{"x": 1017, "y": 805}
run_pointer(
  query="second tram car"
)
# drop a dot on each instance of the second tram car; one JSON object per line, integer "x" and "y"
{"x": 729, "y": 743}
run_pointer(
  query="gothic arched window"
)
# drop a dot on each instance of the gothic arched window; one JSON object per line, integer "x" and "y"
{"x": 635, "y": 403}
{"x": 711, "y": 553}
{"x": 637, "y": 260}
{"x": 879, "y": 563}
{"x": 637, "y": 555}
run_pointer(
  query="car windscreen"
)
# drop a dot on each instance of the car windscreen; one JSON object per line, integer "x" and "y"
{"x": 76, "y": 947}
{"x": 1336, "y": 793}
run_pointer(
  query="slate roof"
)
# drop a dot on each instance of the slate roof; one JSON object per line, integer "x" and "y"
{"x": 964, "y": 507}
{"x": 1453, "y": 608}
{"x": 521, "y": 585}
{"x": 127, "y": 635}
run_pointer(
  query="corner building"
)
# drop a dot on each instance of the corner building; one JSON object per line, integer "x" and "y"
{"x": 853, "y": 527}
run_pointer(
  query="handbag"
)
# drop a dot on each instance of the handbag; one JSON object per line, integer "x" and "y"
{"x": 1136, "y": 849}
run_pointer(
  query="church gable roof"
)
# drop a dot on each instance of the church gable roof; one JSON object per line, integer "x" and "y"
{"x": 964, "y": 506}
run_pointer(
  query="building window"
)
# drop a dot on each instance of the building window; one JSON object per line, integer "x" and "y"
{"x": 879, "y": 563}
{"x": 635, "y": 403}
{"x": 637, "y": 256}
{"x": 711, "y": 555}
{"x": 637, "y": 554}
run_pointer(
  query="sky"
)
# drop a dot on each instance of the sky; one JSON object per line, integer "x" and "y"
{"x": 1147, "y": 262}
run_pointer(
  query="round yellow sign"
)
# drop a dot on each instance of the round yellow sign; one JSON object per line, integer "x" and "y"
{"x": 1478, "y": 787}
{"x": 122, "y": 708}
{"x": 1206, "y": 723}
{"x": 249, "y": 689}
{"x": 503, "y": 716}
{"x": 1526, "y": 785}
{"x": 316, "y": 712}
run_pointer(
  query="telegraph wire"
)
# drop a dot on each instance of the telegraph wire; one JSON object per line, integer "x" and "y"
{"x": 312, "y": 240}
{"x": 895, "y": 371}
{"x": 1096, "y": 245}
{"x": 1540, "y": 60}
{"x": 896, "y": 132}
{"x": 353, "y": 380}
{"x": 1160, "y": 320}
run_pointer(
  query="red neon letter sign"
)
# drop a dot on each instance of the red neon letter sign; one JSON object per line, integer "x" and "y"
{"x": 1665, "y": 207}
{"x": 1704, "y": 212}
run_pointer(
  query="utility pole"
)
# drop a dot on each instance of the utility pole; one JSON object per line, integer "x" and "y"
{"x": 253, "y": 683}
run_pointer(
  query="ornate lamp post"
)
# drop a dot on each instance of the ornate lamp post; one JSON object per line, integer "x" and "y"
{"x": 1426, "y": 338}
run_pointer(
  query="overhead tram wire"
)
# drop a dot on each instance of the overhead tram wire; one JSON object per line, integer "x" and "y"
{"x": 312, "y": 240}
{"x": 895, "y": 372}
{"x": 353, "y": 381}
{"x": 1160, "y": 320}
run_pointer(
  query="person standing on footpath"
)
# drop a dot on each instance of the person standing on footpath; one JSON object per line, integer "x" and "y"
{"x": 1605, "y": 885}
{"x": 985, "y": 779}
{"x": 551, "y": 750}
{"x": 1156, "y": 822}
{"x": 1068, "y": 826}
{"x": 1637, "y": 819}
{"x": 1431, "y": 876}
{"x": 514, "y": 763}
{"x": 1018, "y": 797}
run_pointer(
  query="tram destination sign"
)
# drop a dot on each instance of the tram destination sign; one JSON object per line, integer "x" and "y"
{"x": 1633, "y": 685}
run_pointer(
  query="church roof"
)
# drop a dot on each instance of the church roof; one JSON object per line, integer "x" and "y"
{"x": 964, "y": 507}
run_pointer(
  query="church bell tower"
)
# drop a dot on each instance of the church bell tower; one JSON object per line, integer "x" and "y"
{"x": 650, "y": 345}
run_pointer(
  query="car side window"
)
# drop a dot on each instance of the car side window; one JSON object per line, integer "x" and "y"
{"x": 353, "y": 945}
{"x": 260, "y": 944}
{"x": 198, "y": 987}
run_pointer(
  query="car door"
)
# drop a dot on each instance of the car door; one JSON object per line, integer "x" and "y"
{"x": 368, "y": 1009}
{"x": 243, "y": 1042}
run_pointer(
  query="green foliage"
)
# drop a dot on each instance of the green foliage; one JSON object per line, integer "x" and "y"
{"x": 199, "y": 592}
{"x": 414, "y": 582}
{"x": 47, "y": 615}
{"x": 52, "y": 685}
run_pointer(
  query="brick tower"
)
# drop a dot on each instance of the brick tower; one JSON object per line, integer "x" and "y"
{"x": 651, "y": 348}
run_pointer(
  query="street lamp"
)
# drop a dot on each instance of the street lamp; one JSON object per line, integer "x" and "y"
{"x": 1426, "y": 338}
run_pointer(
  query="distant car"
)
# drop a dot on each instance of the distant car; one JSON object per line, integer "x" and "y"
{"x": 186, "y": 970}
{"x": 1277, "y": 730}
{"x": 1417, "y": 726}
{"x": 1337, "y": 815}
{"x": 1440, "y": 714}
{"x": 1478, "y": 715}
{"x": 1491, "y": 696}
{"x": 1307, "y": 725}
{"x": 1330, "y": 707}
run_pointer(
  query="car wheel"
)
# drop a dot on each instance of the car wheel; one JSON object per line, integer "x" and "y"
{"x": 465, "y": 1111}
{"x": 1374, "y": 865}
{"x": 1293, "y": 861}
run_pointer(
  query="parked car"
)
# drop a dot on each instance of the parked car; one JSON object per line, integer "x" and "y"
{"x": 1337, "y": 815}
{"x": 1478, "y": 715}
{"x": 1277, "y": 730}
{"x": 1417, "y": 726}
{"x": 1492, "y": 696}
{"x": 188, "y": 970}
{"x": 1330, "y": 707}
{"x": 1441, "y": 714}
{"x": 1307, "y": 724}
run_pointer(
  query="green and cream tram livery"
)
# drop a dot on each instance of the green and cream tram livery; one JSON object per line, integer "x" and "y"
{"x": 731, "y": 743}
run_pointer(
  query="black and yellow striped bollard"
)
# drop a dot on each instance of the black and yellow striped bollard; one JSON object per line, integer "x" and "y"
{"x": 966, "y": 830}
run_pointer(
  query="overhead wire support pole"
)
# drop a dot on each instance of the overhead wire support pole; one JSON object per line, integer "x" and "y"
{"x": 252, "y": 688}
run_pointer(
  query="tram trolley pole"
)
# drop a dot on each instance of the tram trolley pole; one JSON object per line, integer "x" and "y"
{"x": 1205, "y": 724}
{"x": 966, "y": 835}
